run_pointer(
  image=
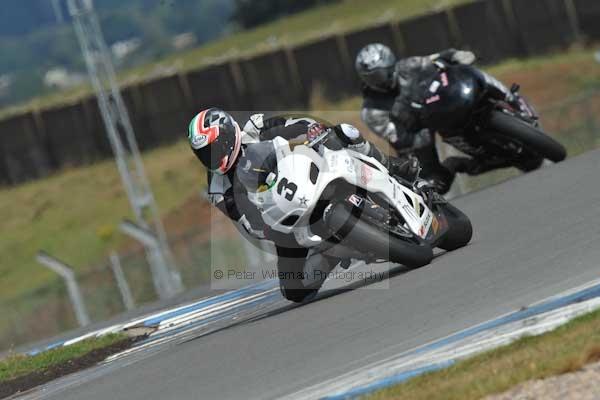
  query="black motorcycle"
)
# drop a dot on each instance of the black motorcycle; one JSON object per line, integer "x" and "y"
{"x": 459, "y": 104}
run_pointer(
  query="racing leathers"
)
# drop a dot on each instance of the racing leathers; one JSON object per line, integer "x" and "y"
{"x": 391, "y": 115}
{"x": 229, "y": 192}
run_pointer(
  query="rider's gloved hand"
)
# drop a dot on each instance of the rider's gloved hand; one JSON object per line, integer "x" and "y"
{"x": 254, "y": 125}
{"x": 464, "y": 57}
{"x": 422, "y": 139}
{"x": 315, "y": 130}
{"x": 407, "y": 168}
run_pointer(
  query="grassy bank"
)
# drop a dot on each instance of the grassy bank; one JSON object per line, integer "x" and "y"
{"x": 563, "y": 350}
{"x": 15, "y": 366}
{"x": 19, "y": 373}
{"x": 75, "y": 213}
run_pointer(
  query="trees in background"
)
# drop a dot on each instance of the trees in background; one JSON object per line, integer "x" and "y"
{"x": 32, "y": 42}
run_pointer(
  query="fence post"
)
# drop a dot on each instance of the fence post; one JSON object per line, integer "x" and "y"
{"x": 573, "y": 20}
{"x": 167, "y": 281}
{"x": 345, "y": 57}
{"x": 292, "y": 65}
{"x": 115, "y": 265}
{"x": 67, "y": 274}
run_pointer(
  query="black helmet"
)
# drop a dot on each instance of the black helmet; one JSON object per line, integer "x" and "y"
{"x": 215, "y": 138}
{"x": 375, "y": 64}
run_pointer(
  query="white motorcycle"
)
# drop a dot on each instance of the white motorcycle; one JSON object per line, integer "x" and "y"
{"x": 344, "y": 205}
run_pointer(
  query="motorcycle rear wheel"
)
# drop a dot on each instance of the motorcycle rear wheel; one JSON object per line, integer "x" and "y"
{"x": 530, "y": 137}
{"x": 381, "y": 244}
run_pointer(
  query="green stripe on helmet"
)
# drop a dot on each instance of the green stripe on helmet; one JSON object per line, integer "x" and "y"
{"x": 191, "y": 128}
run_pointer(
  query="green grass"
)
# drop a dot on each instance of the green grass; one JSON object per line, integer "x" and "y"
{"x": 343, "y": 16}
{"x": 563, "y": 350}
{"x": 18, "y": 365}
{"x": 74, "y": 214}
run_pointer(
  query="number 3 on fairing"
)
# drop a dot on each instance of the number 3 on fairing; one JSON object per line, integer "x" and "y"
{"x": 289, "y": 187}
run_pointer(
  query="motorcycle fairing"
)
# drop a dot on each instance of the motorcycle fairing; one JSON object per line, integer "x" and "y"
{"x": 288, "y": 205}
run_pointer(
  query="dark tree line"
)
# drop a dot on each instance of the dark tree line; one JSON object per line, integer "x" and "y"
{"x": 250, "y": 13}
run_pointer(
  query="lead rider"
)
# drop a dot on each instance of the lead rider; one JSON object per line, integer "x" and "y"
{"x": 240, "y": 160}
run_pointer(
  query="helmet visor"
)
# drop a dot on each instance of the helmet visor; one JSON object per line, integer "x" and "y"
{"x": 379, "y": 78}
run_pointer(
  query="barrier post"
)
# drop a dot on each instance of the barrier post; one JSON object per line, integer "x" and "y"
{"x": 117, "y": 270}
{"x": 68, "y": 275}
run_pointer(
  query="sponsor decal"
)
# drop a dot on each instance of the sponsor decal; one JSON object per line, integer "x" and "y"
{"x": 355, "y": 200}
{"x": 427, "y": 220}
{"x": 435, "y": 85}
{"x": 349, "y": 165}
{"x": 200, "y": 136}
{"x": 303, "y": 201}
{"x": 435, "y": 225}
{"x": 444, "y": 79}
{"x": 409, "y": 210}
{"x": 199, "y": 141}
{"x": 433, "y": 99}
{"x": 366, "y": 174}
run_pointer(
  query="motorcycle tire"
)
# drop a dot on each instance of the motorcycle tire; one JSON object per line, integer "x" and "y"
{"x": 359, "y": 234}
{"x": 529, "y": 136}
{"x": 460, "y": 230}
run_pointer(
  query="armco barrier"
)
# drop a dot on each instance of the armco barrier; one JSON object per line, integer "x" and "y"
{"x": 270, "y": 83}
{"x": 427, "y": 34}
{"x": 588, "y": 15}
{"x": 132, "y": 96}
{"x": 324, "y": 64}
{"x": 165, "y": 109}
{"x": 23, "y": 150}
{"x": 379, "y": 34}
{"x": 67, "y": 137}
{"x": 214, "y": 86}
{"x": 486, "y": 29}
{"x": 544, "y": 25}
{"x": 95, "y": 126}
{"x": 285, "y": 78}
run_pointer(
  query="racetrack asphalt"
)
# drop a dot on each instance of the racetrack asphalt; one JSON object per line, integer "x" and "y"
{"x": 535, "y": 236}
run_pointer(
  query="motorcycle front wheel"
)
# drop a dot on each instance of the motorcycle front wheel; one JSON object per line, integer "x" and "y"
{"x": 460, "y": 230}
{"x": 530, "y": 137}
{"x": 374, "y": 240}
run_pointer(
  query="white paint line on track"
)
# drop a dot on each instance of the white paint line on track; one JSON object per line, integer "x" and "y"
{"x": 195, "y": 316}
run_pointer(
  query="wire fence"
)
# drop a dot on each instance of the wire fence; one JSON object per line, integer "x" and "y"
{"x": 47, "y": 311}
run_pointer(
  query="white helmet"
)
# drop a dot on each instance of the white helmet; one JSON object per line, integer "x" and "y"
{"x": 375, "y": 65}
